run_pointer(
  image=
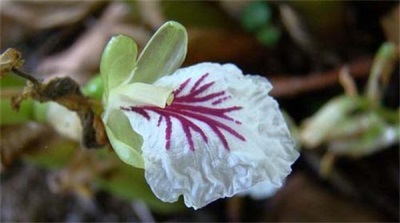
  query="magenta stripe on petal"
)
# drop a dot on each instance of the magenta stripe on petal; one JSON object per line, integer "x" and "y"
{"x": 187, "y": 111}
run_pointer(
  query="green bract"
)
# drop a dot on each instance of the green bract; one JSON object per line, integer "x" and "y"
{"x": 128, "y": 82}
{"x": 94, "y": 88}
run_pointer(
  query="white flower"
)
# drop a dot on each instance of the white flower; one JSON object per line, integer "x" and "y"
{"x": 205, "y": 132}
{"x": 262, "y": 190}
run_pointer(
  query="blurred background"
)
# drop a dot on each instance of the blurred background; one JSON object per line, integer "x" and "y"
{"x": 335, "y": 70}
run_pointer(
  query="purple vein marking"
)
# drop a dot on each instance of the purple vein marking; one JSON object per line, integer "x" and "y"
{"x": 185, "y": 110}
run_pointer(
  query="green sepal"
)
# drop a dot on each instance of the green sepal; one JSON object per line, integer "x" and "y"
{"x": 123, "y": 139}
{"x": 117, "y": 62}
{"x": 163, "y": 54}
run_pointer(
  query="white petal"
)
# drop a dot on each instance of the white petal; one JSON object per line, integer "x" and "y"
{"x": 262, "y": 190}
{"x": 247, "y": 144}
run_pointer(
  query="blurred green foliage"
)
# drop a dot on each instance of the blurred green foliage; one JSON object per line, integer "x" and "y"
{"x": 256, "y": 18}
{"x": 129, "y": 183}
{"x": 358, "y": 124}
{"x": 256, "y": 15}
{"x": 196, "y": 14}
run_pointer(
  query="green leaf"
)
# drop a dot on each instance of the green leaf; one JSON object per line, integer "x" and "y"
{"x": 317, "y": 128}
{"x": 382, "y": 67}
{"x": 164, "y": 53}
{"x": 9, "y": 116}
{"x": 12, "y": 81}
{"x": 40, "y": 111}
{"x": 117, "y": 62}
{"x": 57, "y": 153}
{"x": 363, "y": 135}
{"x": 123, "y": 139}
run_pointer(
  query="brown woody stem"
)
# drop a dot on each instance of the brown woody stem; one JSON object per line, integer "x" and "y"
{"x": 25, "y": 75}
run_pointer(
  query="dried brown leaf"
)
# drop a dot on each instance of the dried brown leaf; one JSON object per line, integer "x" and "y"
{"x": 220, "y": 45}
{"x": 82, "y": 59}
{"x": 66, "y": 92}
{"x": 9, "y": 60}
{"x": 322, "y": 205}
{"x": 80, "y": 174}
{"x": 17, "y": 139}
{"x": 24, "y": 18}
{"x": 152, "y": 13}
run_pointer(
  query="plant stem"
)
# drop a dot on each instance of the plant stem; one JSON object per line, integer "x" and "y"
{"x": 25, "y": 75}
